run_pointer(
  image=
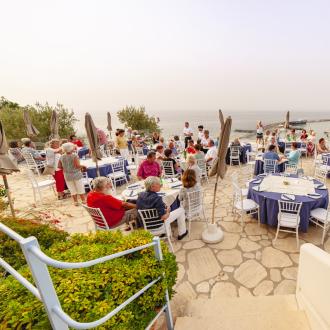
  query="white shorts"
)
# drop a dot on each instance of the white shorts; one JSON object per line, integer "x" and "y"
{"x": 76, "y": 187}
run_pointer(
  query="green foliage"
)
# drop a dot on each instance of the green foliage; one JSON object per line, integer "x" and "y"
{"x": 89, "y": 294}
{"x": 138, "y": 119}
{"x": 11, "y": 115}
{"x": 46, "y": 234}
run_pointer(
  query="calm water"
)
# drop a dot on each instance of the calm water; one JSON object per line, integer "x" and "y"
{"x": 172, "y": 123}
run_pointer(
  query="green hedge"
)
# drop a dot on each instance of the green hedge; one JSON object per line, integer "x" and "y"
{"x": 90, "y": 293}
{"x": 46, "y": 234}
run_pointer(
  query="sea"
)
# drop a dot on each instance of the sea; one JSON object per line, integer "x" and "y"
{"x": 172, "y": 123}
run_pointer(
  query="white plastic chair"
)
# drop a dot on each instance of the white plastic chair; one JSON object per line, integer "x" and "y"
{"x": 32, "y": 164}
{"x": 243, "y": 206}
{"x": 287, "y": 148}
{"x": 195, "y": 206}
{"x": 324, "y": 165}
{"x": 320, "y": 174}
{"x": 234, "y": 179}
{"x": 139, "y": 156}
{"x": 321, "y": 218}
{"x": 38, "y": 186}
{"x": 291, "y": 169}
{"x": 289, "y": 218}
{"x": 234, "y": 155}
{"x": 168, "y": 169}
{"x": 152, "y": 222}
{"x": 118, "y": 172}
{"x": 251, "y": 163}
{"x": 201, "y": 163}
{"x": 87, "y": 181}
{"x": 97, "y": 217}
{"x": 270, "y": 166}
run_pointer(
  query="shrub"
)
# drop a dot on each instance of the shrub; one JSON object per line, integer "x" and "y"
{"x": 46, "y": 234}
{"x": 89, "y": 294}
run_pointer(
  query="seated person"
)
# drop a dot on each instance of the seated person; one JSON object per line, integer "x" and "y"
{"x": 151, "y": 200}
{"x": 236, "y": 143}
{"x": 321, "y": 147}
{"x": 115, "y": 211}
{"x": 169, "y": 157}
{"x": 155, "y": 137}
{"x": 29, "y": 149}
{"x": 190, "y": 184}
{"x": 206, "y": 139}
{"x": 149, "y": 167}
{"x": 292, "y": 135}
{"x": 179, "y": 145}
{"x": 160, "y": 153}
{"x": 271, "y": 154}
{"x": 294, "y": 154}
{"x": 304, "y": 135}
{"x": 73, "y": 139}
{"x": 212, "y": 153}
{"x": 199, "y": 154}
{"x": 15, "y": 151}
{"x": 192, "y": 165}
{"x": 191, "y": 149}
{"x": 173, "y": 149}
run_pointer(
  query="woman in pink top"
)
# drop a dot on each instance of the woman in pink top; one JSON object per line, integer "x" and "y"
{"x": 149, "y": 167}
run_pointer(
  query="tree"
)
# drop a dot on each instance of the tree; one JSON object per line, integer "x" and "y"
{"x": 11, "y": 115}
{"x": 138, "y": 119}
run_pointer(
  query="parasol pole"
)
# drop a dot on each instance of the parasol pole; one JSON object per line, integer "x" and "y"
{"x": 8, "y": 195}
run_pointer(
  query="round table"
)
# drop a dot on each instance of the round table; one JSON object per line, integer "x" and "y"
{"x": 259, "y": 166}
{"x": 104, "y": 166}
{"x": 268, "y": 203}
{"x": 169, "y": 195}
{"x": 83, "y": 151}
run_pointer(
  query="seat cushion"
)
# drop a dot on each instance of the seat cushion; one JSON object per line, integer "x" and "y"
{"x": 245, "y": 192}
{"x": 45, "y": 183}
{"x": 320, "y": 214}
{"x": 248, "y": 205}
{"x": 288, "y": 220}
{"x": 118, "y": 174}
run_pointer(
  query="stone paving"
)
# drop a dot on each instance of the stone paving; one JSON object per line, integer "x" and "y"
{"x": 245, "y": 263}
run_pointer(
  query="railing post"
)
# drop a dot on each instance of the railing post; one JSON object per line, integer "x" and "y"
{"x": 168, "y": 313}
{"x": 43, "y": 282}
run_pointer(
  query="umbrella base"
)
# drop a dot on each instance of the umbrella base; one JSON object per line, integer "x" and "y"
{"x": 212, "y": 234}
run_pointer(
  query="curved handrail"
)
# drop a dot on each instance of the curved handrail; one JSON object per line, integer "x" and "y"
{"x": 80, "y": 325}
{"x": 74, "y": 265}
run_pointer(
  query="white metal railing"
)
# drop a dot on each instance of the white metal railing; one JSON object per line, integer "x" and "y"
{"x": 45, "y": 291}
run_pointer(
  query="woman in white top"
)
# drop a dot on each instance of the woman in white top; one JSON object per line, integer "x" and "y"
{"x": 190, "y": 184}
{"x": 260, "y": 132}
{"x": 53, "y": 154}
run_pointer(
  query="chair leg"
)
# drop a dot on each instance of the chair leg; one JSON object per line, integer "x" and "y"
{"x": 259, "y": 216}
{"x": 34, "y": 196}
{"x": 39, "y": 193}
{"x": 297, "y": 238}
{"x": 189, "y": 228}
{"x": 323, "y": 234}
{"x": 277, "y": 231}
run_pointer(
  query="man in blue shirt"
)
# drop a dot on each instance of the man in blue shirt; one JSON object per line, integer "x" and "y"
{"x": 150, "y": 199}
{"x": 271, "y": 153}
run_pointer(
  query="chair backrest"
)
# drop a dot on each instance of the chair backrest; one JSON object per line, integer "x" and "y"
{"x": 98, "y": 218}
{"x": 238, "y": 198}
{"x": 195, "y": 203}
{"x": 303, "y": 146}
{"x": 119, "y": 165}
{"x": 250, "y": 156}
{"x": 139, "y": 151}
{"x": 270, "y": 165}
{"x": 30, "y": 162}
{"x": 292, "y": 208}
{"x": 234, "y": 152}
{"x": 201, "y": 163}
{"x": 151, "y": 220}
{"x": 288, "y": 146}
{"x": 326, "y": 160}
{"x": 168, "y": 169}
{"x": 320, "y": 174}
{"x": 291, "y": 168}
{"x": 87, "y": 181}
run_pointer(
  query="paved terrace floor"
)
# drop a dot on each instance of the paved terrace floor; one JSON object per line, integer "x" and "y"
{"x": 246, "y": 262}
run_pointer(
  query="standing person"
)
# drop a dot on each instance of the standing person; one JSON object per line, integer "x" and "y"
{"x": 200, "y": 132}
{"x": 187, "y": 133}
{"x": 121, "y": 143}
{"x": 53, "y": 155}
{"x": 260, "y": 133}
{"x": 69, "y": 163}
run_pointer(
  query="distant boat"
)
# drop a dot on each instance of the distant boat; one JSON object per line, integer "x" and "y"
{"x": 298, "y": 122}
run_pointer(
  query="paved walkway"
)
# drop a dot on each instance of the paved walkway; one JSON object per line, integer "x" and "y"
{"x": 246, "y": 262}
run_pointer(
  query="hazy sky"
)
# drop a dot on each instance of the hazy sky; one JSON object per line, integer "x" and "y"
{"x": 167, "y": 55}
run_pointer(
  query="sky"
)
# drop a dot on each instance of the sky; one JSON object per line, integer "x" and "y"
{"x": 168, "y": 55}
